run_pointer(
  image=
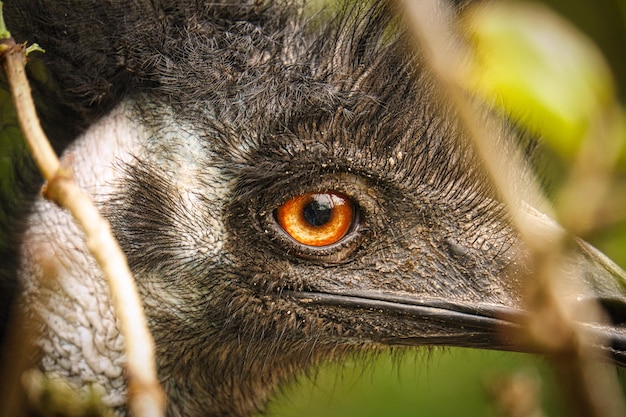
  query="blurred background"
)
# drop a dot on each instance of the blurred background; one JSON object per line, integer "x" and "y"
{"x": 466, "y": 382}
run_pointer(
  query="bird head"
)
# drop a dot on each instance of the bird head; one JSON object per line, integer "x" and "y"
{"x": 286, "y": 192}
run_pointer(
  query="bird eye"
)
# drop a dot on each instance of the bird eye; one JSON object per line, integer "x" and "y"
{"x": 316, "y": 219}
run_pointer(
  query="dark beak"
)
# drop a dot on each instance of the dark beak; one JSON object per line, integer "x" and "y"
{"x": 404, "y": 319}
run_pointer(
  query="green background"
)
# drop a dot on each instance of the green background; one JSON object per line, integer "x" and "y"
{"x": 440, "y": 382}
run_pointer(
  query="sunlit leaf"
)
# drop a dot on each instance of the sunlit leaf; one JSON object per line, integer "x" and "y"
{"x": 545, "y": 73}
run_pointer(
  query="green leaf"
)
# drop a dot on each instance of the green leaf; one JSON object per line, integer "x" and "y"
{"x": 545, "y": 73}
{"x": 4, "y": 33}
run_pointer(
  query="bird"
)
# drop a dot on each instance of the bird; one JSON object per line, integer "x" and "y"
{"x": 287, "y": 188}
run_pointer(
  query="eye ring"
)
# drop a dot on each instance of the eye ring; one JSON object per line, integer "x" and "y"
{"x": 317, "y": 219}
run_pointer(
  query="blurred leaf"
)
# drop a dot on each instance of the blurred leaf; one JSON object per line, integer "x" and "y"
{"x": 621, "y": 137}
{"x": 4, "y": 33}
{"x": 543, "y": 71}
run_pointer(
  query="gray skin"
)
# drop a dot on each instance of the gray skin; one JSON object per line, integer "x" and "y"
{"x": 190, "y": 124}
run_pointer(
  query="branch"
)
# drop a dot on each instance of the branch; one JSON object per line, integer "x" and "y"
{"x": 591, "y": 388}
{"x": 146, "y": 395}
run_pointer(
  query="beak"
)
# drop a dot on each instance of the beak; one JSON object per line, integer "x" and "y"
{"x": 607, "y": 284}
{"x": 401, "y": 319}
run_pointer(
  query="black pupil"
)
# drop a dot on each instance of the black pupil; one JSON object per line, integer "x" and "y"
{"x": 317, "y": 212}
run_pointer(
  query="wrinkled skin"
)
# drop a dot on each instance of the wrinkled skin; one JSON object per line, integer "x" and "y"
{"x": 190, "y": 124}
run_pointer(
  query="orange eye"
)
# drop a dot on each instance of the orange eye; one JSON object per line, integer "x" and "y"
{"x": 316, "y": 219}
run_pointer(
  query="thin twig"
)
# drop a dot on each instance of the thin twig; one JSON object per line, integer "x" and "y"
{"x": 146, "y": 395}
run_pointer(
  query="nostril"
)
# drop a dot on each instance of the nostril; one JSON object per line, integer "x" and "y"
{"x": 458, "y": 252}
{"x": 615, "y": 308}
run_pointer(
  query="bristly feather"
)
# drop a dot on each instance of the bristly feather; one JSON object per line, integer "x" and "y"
{"x": 273, "y": 104}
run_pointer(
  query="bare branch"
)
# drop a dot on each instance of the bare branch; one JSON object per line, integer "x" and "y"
{"x": 590, "y": 386}
{"x": 146, "y": 396}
